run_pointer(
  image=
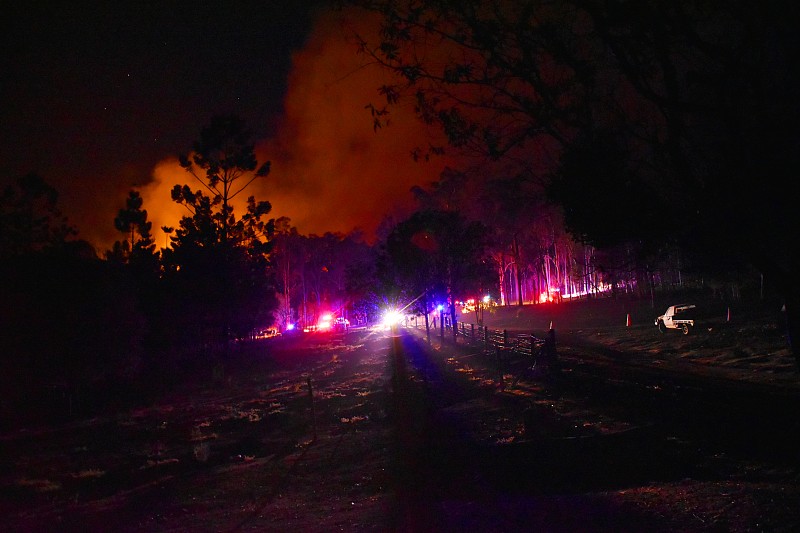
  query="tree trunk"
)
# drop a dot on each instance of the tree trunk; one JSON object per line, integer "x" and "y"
{"x": 453, "y": 318}
{"x": 516, "y": 272}
{"x": 503, "y": 296}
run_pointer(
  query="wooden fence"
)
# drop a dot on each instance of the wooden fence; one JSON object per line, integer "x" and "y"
{"x": 503, "y": 343}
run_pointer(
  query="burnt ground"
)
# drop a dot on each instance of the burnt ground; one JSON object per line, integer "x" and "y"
{"x": 370, "y": 432}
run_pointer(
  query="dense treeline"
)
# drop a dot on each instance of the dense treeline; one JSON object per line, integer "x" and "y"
{"x": 81, "y": 332}
{"x": 84, "y": 331}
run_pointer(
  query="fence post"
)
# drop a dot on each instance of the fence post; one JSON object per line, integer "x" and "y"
{"x": 313, "y": 408}
{"x": 472, "y": 333}
{"x": 499, "y": 350}
{"x": 501, "y": 354}
{"x": 550, "y": 345}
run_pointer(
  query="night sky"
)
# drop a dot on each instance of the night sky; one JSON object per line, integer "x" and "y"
{"x": 101, "y": 98}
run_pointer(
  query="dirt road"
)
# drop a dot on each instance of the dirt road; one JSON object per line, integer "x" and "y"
{"x": 370, "y": 432}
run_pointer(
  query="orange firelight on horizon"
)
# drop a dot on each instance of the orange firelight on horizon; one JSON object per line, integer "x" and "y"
{"x": 330, "y": 170}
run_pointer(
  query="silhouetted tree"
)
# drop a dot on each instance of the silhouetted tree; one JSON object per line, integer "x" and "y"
{"x": 439, "y": 256}
{"x": 362, "y": 284}
{"x": 218, "y": 265}
{"x": 30, "y": 220}
{"x": 224, "y": 162}
{"x": 313, "y": 272}
{"x": 139, "y": 247}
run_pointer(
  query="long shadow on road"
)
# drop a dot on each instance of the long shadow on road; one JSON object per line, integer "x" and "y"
{"x": 447, "y": 481}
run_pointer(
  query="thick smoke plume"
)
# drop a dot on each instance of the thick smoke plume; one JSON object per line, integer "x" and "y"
{"x": 331, "y": 171}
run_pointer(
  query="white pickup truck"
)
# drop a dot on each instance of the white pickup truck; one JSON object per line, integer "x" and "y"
{"x": 677, "y": 317}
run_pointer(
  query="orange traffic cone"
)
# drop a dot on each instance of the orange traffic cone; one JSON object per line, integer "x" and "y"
{"x": 628, "y": 322}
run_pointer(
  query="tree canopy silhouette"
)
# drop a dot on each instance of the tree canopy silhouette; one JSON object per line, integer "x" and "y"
{"x": 30, "y": 220}
{"x": 698, "y": 99}
{"x": 218, "y": 264}
{"x": 437, "y": 256}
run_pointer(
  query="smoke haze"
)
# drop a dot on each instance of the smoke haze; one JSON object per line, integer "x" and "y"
{"x": 330, "y": 170}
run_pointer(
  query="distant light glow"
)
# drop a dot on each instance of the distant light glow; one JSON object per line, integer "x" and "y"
{"x": 392, "y": 317}
{"x": 289, "y": 327}
{"x": 325, "y": 322}
{"x": 599, "y": 289}
{"x": 467, "y": 306}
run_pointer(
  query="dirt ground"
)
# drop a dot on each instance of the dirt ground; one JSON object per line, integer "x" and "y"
{"x": 635, "y": 431}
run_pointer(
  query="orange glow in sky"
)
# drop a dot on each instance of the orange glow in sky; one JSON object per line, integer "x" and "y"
{"x": 330, "y": 170}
